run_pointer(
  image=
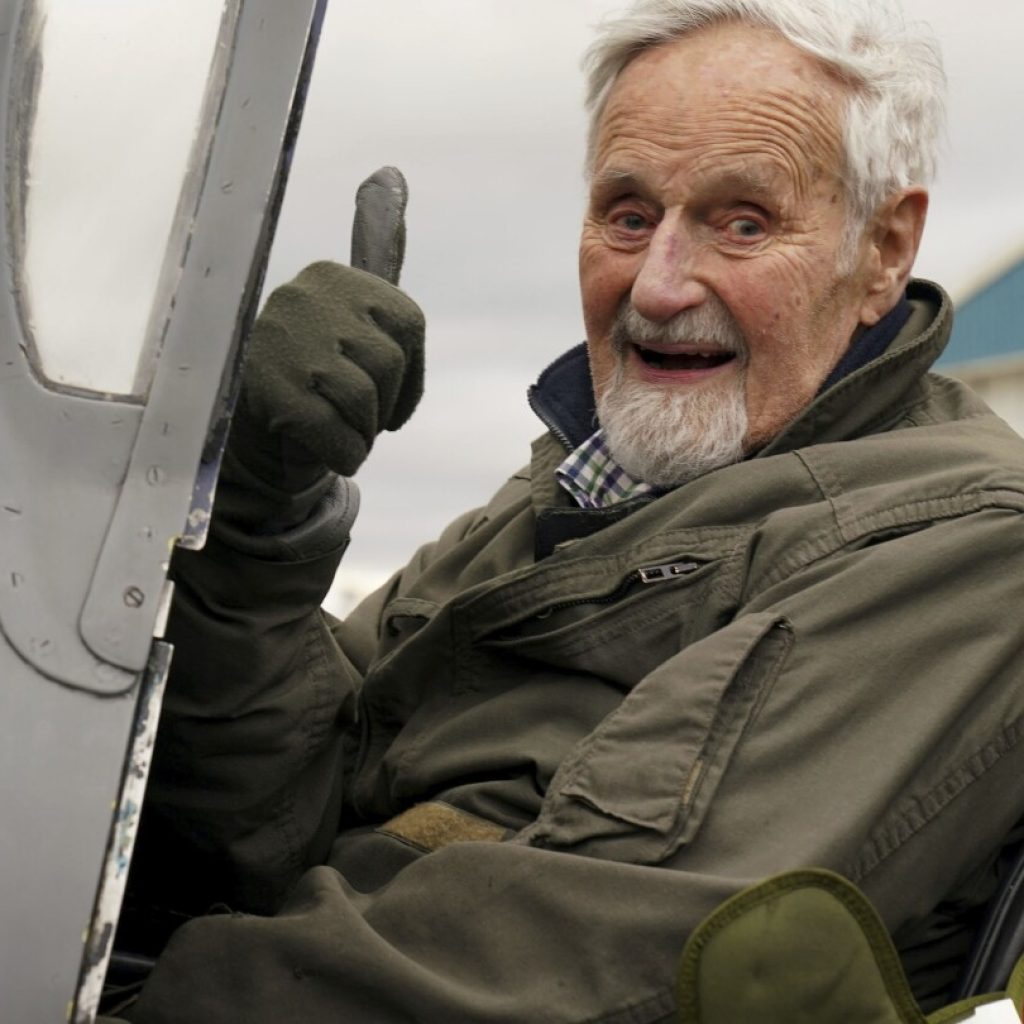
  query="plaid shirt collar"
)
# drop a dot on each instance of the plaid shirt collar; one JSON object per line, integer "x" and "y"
{"x": 595, "y": 479}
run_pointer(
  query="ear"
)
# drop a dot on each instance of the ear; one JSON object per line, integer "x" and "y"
{"x": 894, "y": 238}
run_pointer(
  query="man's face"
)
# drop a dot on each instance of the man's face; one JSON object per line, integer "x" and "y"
{"x": 716, "y": 214}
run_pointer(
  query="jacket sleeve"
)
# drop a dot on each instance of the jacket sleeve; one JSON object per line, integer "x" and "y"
{"x": 861, "y": 712}
{"x": 247, "y": 783}
{"x": 244, "y": 791}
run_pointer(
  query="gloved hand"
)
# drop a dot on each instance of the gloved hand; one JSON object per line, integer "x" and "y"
{"x": 335, "y": 357}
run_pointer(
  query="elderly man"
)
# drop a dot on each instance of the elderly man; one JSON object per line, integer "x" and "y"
{"x": 752, "y": 622}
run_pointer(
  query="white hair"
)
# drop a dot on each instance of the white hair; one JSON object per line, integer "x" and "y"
{"x": 895, "y": 113}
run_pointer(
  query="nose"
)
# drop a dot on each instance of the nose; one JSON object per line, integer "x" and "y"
{"x": 665, "y": 284}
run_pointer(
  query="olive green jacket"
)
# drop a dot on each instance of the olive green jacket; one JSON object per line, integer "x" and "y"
{"x": 809, "y": 658}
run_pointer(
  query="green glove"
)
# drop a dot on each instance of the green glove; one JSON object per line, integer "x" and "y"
{"x": 335, "y": 357}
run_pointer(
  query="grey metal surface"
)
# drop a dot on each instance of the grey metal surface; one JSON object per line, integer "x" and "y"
{"x": 60, "y": 766}
{"x": 60, "y": 459}
{"x": 127, "y": 816}
{"x": 93, "y": 494}
{"x": 61, "y": 456}
{"x": 216, "y": 283}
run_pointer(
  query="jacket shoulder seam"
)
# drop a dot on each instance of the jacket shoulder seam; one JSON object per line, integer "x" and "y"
{"x": 923, "y": 510}
{"x": 828, "y": 486}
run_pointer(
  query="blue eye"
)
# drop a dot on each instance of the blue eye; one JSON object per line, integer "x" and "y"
{"x": 633, "y": 221}
{"x": 745, "y": 227}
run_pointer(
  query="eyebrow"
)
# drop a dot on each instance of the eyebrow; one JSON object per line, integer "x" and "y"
{"x": 612, "y": 178}
{"x": 754, "y": 182}
{"x": 749, "y": 181}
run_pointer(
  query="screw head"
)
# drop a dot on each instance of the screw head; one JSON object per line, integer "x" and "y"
{"x": 134, "y": 597}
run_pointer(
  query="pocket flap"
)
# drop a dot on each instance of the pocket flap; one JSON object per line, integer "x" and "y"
{"x": 637, "y": 788}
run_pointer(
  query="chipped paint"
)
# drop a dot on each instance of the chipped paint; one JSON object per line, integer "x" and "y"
{"x": 198, "y": 518}
{"x": 198, "y": 522}
{"x": 99, "y": 940}
{"x": 108, "y": 553}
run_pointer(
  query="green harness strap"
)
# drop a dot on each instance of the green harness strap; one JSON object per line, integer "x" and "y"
{"x": 805, "y": 947}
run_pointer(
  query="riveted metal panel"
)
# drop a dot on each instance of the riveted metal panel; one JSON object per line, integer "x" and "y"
{"x": 94, "y": 490}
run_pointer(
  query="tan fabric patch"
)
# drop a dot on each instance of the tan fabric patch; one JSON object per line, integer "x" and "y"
{"x": 433, "y": 825}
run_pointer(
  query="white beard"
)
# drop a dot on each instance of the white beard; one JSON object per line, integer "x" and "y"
{"x": 666, "y": 436}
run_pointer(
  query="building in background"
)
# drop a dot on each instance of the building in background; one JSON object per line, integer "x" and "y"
{"x": 987, "y": 347}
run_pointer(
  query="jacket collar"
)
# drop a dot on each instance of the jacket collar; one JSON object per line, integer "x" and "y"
{"x": 874, "y": 396}
{"x": 563, "y": 398}
{"x": 865, "y": 393}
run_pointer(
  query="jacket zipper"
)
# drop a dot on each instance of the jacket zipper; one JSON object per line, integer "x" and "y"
{"x": 666, "y": 571}
{"x": 548, "y": 420}
{"x": 647, "y": 575}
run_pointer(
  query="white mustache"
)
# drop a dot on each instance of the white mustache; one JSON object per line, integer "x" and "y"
{"x": 709, "y": 325}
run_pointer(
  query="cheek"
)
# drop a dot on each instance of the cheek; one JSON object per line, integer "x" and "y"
{"x": 602, "y": 368}
{"x": 775, "y": 307}
{"x": 605, "y": 279}
{"x": 600, "y": 294}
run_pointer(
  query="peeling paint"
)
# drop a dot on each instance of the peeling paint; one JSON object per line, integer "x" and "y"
{"x": 99, "y": 940}
{"x": 198, "y": 518}
{"x": 198, "y": 521}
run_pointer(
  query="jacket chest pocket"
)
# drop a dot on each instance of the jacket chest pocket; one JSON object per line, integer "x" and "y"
{"x": 618, "y": 632}
{"x": 638, "y": 787}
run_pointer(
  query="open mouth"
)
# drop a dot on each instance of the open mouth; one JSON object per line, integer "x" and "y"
{"x": 696, "y": 360}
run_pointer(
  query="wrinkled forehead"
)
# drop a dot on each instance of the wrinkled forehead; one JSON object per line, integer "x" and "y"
{"x": 730, "y": 89}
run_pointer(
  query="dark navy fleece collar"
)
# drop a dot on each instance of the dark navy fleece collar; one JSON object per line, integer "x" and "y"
{"x": 563, "y": 396}
{"x": 870, "y": 345}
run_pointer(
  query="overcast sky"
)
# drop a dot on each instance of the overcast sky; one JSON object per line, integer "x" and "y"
{"x": 479, "y": 103}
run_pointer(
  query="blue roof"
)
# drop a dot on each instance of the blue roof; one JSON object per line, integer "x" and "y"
{"x": 990, "y": 324}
